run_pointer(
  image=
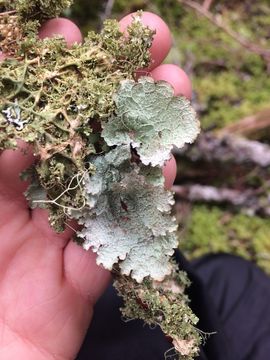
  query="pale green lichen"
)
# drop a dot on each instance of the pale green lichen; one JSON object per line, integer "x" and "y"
{"x": 127, "y": 217}
{"x": 163, "y": 304}
{"x": 151, "y": 120}
{"x": 58, "y": 99}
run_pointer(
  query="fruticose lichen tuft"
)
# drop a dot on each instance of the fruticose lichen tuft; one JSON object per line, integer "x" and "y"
{"x": 36, "y": 9}
{"x": 56, "y": 98}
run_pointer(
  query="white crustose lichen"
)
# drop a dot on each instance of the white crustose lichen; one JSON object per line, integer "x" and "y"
{"x": 13, "y": 116}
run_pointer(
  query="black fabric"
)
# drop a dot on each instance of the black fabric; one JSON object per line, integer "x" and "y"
{"x": 230, "y": 296}
{"x": 241, "y": 295}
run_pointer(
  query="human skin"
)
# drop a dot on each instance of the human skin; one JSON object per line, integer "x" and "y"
{"x": 48, "y": 284}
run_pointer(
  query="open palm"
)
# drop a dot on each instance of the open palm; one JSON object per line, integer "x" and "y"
{"x": 48, "y": 284}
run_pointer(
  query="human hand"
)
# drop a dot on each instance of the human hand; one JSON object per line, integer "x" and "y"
{"x": 48, "y": 284}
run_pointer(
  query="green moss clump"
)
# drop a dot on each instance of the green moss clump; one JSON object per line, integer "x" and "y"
{"x": 204, "y": 233}
{"x": 212, "y": 230}
{"x": 229, "y": 81}
{"x": 252, "y": 234}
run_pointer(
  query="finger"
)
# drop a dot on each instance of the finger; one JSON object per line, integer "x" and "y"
{"x": 181, "y": 84}
{"x": 169, "y": 172}
{"x": 40, "y": 219}
{"x": 63, "y": 27}
{"x": 81, "y": 270}
{"x": 2, "y": 56}
{"x": 162, "y": 39}
{"x": 175, "y": 76}
{"x": 12, "y": 163}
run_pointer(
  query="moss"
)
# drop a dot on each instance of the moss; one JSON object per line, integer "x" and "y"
{"x": 211, "y": 229}
{"x": 205, "y": 233}
{"x": 229, "y": 81}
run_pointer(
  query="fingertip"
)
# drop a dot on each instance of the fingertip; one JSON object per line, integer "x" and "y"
{"x": 175, "y": 76}
{"x": 12, "y": 163}
{"x": 63, "y": 27}
{"x": 2, "y": 56}
{"x": 162, "y": 39}
{"x": 169, "y": 172}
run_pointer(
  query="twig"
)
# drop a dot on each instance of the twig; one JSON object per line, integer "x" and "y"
{"x": 216, "y": 20}
{"x": 249, "y": 125}
{"x": 107, "y": 11}
{"x": 248, "y": 200}
{"x": 206, "y": 4}
{"x": 8, "y": 13}
{"x": 227, "y": 148}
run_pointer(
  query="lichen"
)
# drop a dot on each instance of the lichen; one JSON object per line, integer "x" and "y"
{"x": 125, "y": 197}
{"x": 58, "y": 100}
{"x": 37, "y": 9}
{"x": 163, "y": 304}
{"x": 55, "y": 97}
{"x": 229, "y": 82}
{"x": 151, "y": 120}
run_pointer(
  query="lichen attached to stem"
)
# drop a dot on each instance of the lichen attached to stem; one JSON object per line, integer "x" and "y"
{"x": 64, "y": 102}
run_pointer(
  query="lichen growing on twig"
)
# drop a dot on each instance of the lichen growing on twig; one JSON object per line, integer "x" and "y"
{"x": 163, "y": 304}
{"x": 56, "y": 97}
{"x": 100, "y": 141}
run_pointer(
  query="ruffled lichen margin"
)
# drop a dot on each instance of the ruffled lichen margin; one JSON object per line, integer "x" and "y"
{"x": 100, "y": 141}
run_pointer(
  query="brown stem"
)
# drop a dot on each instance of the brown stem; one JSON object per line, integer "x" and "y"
{"x": 251, "y": 125}
{"x": 107, "y": 10}
{"x": 8, "y": 13}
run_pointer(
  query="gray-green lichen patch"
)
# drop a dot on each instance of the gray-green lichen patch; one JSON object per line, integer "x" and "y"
{"x": 127, "y": 216}
{"x": 151, "y": 119}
